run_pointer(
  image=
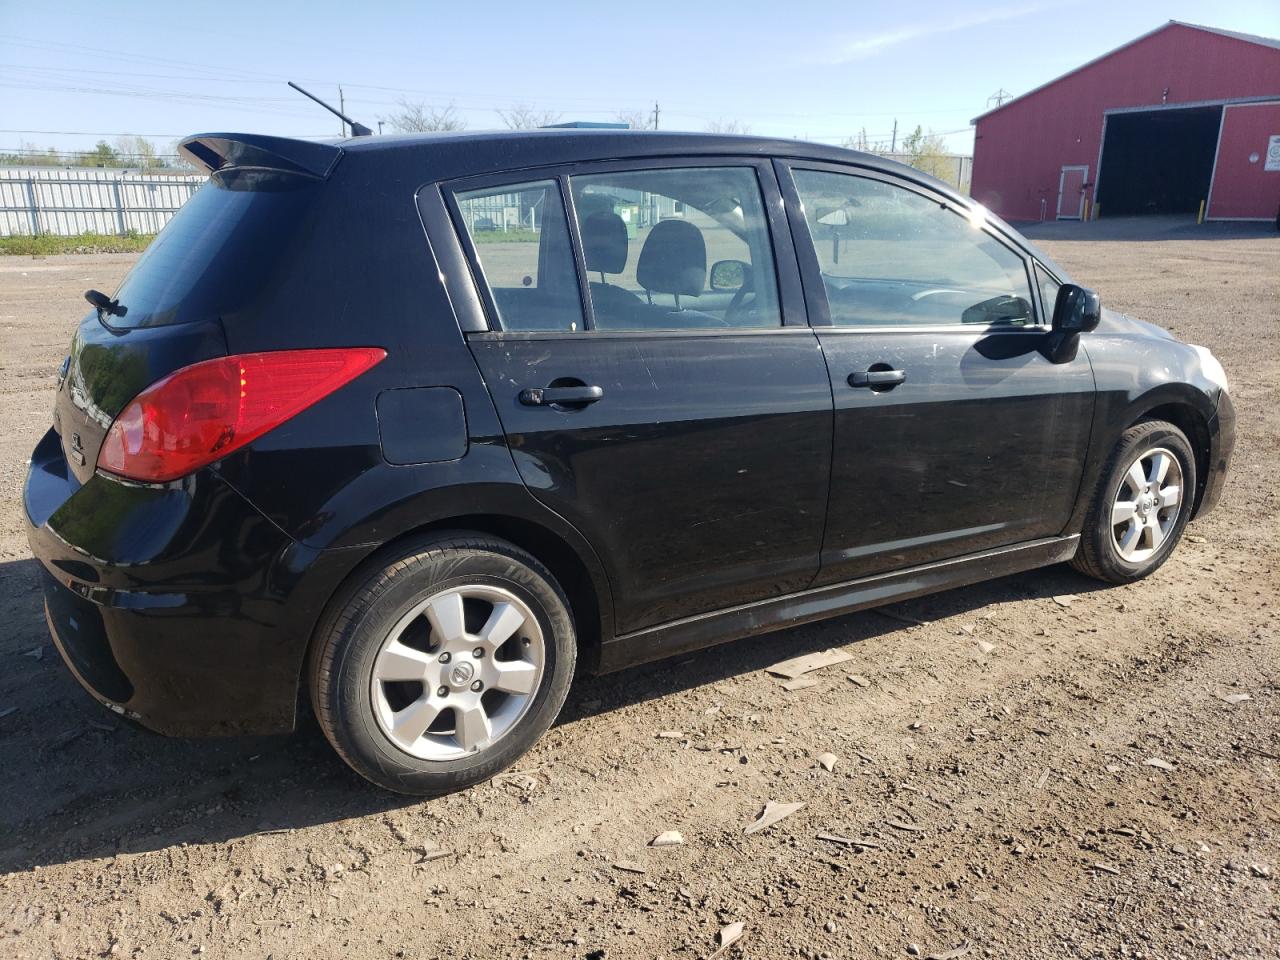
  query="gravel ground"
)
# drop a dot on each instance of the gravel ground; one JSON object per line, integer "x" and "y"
{"x": 1039, "y": 767}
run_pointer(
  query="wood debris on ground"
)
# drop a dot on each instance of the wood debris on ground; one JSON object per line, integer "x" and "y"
{"x": 729, "y": 935}
{"x": 799, "y": 683}
{"x": 858, "y": 680}
{"x": 430, "y": 852}
{"x": 668, "y": 838}
{"x": 1160, "y": 764}
{"x": 849, "y": 841}
{"x": 901, "y": 825}
{"x": 798, "y": 666}
{"x": 771, "y": 814}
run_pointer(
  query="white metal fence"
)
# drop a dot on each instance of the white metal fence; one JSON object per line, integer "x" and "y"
{"x": 67, "y": 202}
{"x": 956, "y": 168}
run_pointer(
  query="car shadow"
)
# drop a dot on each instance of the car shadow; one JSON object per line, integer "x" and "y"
{"x": 88, "y": 784}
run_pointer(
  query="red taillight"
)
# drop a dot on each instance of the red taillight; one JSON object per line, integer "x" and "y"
{"x": 203, "y": 412}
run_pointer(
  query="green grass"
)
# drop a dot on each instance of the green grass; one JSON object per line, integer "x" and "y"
{"x": 44, "y": 245}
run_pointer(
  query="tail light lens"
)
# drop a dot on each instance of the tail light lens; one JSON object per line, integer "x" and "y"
{"x": 203, "y": 412}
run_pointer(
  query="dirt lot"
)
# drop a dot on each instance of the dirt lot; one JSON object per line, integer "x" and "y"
{"x": 996, "y": 764}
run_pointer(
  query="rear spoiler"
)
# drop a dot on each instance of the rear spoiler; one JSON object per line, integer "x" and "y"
{"x": 225, "y": 151}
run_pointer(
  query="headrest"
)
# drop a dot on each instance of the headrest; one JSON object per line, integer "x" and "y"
{"x": 673, "y": 260}
{"x": 604, "y": 242}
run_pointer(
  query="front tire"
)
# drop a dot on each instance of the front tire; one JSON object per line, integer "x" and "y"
{"x": 1141, "y": 505}
{"x": 443, "y": 664}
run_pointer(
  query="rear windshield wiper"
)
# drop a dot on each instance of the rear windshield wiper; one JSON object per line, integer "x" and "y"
{"x": 105, "y": 306}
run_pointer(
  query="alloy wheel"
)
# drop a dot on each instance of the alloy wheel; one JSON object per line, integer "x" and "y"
{"x": 1147, "y": 505}
{"x": 457, "y": 672}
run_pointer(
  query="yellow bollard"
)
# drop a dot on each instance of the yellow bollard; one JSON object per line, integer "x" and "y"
{"x": 1086, "y": 210}
{"x": 1200, "y": 215}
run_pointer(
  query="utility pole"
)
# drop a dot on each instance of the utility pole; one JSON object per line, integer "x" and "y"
{"x": 655, "y": 114}
{"x": 342, "y": 106}
{"x": 893, "y": 146}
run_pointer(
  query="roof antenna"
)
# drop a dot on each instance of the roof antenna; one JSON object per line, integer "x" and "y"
{"x": 357, "y": 129}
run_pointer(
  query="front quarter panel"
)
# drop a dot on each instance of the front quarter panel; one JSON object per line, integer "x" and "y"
{"x": 1139, "y": 367}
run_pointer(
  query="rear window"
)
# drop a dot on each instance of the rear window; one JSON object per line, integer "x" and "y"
{"x": 216, "y": 251}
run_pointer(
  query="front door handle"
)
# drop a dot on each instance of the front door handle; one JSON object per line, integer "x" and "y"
{"x": 553, "y": 396}
{"x": 884, "y": 379}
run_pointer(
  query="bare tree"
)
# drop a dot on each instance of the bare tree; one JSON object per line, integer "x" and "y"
{"x": 418, "y": 117}
{"x": 728, "y": 126}
{"x": 635, "y": 119}
{"x": 862, "y": 142}
{"x": 521, "y": 116}
{"x": 137, "y": 152}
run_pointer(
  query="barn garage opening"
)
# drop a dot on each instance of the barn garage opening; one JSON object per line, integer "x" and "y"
{"x": 1159, "y": 161}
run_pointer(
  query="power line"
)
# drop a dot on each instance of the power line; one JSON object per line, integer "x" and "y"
{"x": 471, "y": 98}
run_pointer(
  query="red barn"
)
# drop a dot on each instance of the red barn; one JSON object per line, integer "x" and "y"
{"x": 1180, "y": 116}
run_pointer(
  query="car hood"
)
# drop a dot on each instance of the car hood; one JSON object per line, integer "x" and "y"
{"x": 1116, "y": 323}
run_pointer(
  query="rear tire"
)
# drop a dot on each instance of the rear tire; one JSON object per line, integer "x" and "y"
{"x": 1141, "y": 505}
{"x": 443, "y": 664}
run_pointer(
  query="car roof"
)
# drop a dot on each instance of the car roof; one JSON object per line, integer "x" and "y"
{"x": 464, "y": 152}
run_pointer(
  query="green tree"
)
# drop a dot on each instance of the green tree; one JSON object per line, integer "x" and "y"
{"x": 927, "y": 152}
{"x": 102, "y": 155}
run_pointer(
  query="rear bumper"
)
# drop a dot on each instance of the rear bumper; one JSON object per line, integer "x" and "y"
{"x": 180, "y": 606}
{"x": 1222, "y": 441}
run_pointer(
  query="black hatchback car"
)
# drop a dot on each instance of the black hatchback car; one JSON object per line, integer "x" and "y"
{"x": 413, "y": 428}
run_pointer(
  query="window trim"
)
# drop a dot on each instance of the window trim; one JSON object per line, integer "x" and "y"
{"x": 1038, "y": 267}
{"x": 792, "y": 302}
{"x": 811, "y": 270}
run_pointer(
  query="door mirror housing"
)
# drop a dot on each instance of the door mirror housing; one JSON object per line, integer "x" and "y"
{"x": 728, "y": 274}
{"x": 1077, "y": 310}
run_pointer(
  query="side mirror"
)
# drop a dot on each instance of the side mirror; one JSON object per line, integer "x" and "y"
{"x": 728, "y": 274}
{"x": 1077, "y": 310}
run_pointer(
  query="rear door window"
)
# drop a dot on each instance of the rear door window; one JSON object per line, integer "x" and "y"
{"x": 892, "y": 257}
{"x": 677, "y": 249}
{"x": 521, "y": 241}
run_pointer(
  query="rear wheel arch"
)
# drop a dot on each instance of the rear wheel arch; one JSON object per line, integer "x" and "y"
{"x": 587, "y": 592}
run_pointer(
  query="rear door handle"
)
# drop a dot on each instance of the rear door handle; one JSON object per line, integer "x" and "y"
{"x": 548, "y": 396}
{"x": 877, "y": 378}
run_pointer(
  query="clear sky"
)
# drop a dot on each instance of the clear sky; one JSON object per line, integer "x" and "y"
{"x": 75, "y": 72}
